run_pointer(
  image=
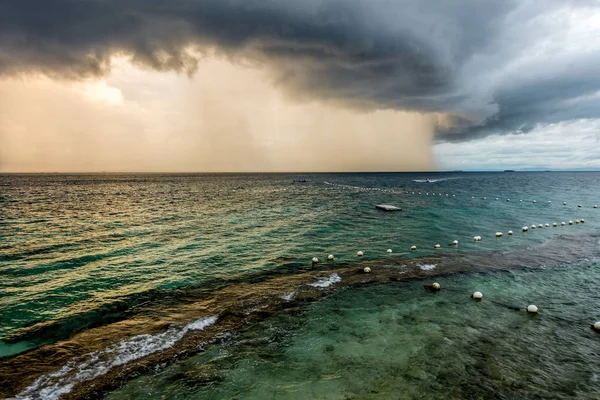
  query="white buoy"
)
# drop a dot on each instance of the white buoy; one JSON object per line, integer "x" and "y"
{"x": 582, "y": 220}
{"x": 472, "y": 197}
{"x": 547, "y": 225}
{"x": 484, "y": 198}
{"x": 533, "y": 226}
{"x": 563, "y": 223}
{"x": 564, "y": 203}
{"x": 579, "y": 205}
{"x": 549, "y": 202}
{"x": 554, "y": 224}
{"x": 496, "y": 198}
{"x": 367, "y": 270}
{"x": 477, "y": 296}
{"x": 596, "y": 326}
{"x": 360, "y": 253}
{"x": 540, "y": 226}
{"x": 455, "y": 242}
{"x": 330, "y": 257}
{"x": 508, "y": 200}
{"x": 436, "y": 286}
{"x": 595, "y": 205}
{"x": 510, "y": 232}
{"x": 535, "y": 201}
{"x": 477, "y": 238}
{"x": 498, "y": 234}
{"x": 570, "y": 222}
{"x": 525, "y": 229}
{"x": 437, "y": 246}
{"x": 413, "y": 247}
{"x": 389, "y": 251}
{"x": 532, "y": 309}
{"x": 315, "y": 260}
{"x": 577, "y": 221}
{"x": 520, "y": 201}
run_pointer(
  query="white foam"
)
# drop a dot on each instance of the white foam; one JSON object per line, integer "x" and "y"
{"x": 52, "y": 386}
{"x": 326, "y": 282}
{"x": 427, "y": 267}
{"x": 289, "y": 296}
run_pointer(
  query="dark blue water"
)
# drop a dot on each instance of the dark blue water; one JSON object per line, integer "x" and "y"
{"x": 81, "y": 254}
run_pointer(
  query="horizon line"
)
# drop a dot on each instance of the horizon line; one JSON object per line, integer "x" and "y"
{"x": 293, "y": 172}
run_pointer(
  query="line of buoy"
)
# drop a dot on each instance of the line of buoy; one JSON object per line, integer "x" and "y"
{"x": 433, "y": 194}
{"x": 530, "y": 309}
{"x": 331, "y": 257}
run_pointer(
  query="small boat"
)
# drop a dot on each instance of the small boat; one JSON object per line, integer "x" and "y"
{"x": 388, "y": 207}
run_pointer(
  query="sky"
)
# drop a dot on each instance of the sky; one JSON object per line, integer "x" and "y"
{"x": 317, "y": 85}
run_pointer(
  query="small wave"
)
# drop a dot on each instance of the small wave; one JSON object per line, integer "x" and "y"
{"x": 326, "y": 282}
{"x": 93, "y": 365}
{"x": 427, "y": 267}
{"x": 289, "y": 296}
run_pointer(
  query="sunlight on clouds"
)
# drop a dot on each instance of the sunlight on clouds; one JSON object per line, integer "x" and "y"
{"x": 100, "y": 91}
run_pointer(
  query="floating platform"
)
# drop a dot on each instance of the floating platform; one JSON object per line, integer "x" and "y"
{"x": 387, "y": 207}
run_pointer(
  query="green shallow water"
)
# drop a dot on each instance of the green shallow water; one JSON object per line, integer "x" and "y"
{"x": 400, "y": 341}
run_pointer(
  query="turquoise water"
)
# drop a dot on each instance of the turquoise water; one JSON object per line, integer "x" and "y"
{"x": 80, "y": 254}
{"x": 399, "y": 341}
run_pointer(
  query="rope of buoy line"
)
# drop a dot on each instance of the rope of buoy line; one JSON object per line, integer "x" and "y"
{"x": 493, "y": 301}
{"x": 401, "y": 190}
{"x": 531, "y": 309}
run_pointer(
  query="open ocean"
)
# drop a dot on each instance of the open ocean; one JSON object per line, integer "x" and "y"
{"x": 201, "y": 286}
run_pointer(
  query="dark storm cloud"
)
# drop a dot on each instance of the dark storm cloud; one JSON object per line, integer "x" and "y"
{"x": 452, "y": 57}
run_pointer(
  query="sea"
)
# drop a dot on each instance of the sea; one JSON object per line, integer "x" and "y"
{"x": 204, "y": 286}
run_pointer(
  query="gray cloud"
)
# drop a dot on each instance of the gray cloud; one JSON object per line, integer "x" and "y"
{"x": 490, "y": 66}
